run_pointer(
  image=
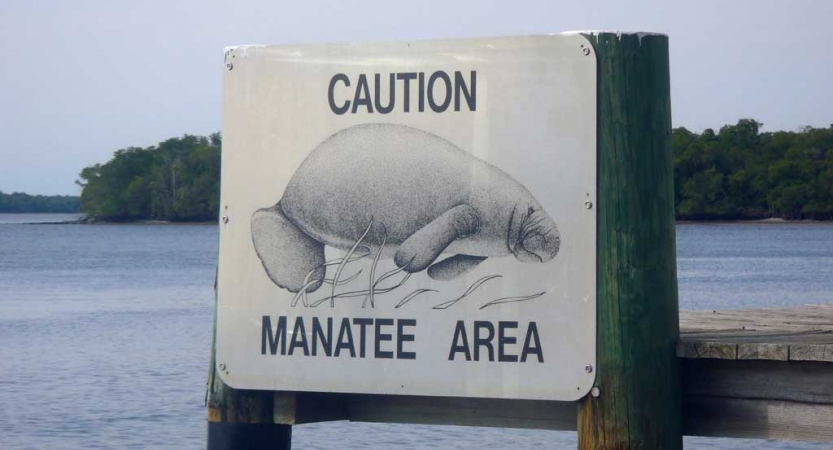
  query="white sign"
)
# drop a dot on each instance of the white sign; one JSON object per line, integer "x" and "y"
{"x": 410, "y": 218}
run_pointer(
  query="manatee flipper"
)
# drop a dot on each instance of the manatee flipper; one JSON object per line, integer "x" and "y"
{"x": 453, "y": 267}
{"x": 424, "y": 246}
{"x": 287, "y": 253}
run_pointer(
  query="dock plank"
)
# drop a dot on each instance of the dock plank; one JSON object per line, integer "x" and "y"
{"x": 776, "y": 334}
{"x": 811, "y": 352}
{"x": 757, "y": 419}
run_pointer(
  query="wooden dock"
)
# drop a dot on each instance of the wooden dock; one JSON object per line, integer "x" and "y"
{"x": 764, "y": 373}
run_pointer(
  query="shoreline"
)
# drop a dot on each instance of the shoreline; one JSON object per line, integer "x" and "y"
{"x": 88, "y": 221}
{"x": 771, "y": 221}
{"x": 768, "y": 221}
{"x": 126, "y": 222}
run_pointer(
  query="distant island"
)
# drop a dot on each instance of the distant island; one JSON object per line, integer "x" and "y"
{"x": 740, "y": 173}
{"x": 736, "y": 173}
{"x": 177, "y": 180}
{"x": 18, "y": 202}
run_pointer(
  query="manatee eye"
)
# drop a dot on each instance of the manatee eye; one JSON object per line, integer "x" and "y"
{"x": 531, "y": 224}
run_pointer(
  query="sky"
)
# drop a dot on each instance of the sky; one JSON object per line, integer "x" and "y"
{"x": 80, "y": 79}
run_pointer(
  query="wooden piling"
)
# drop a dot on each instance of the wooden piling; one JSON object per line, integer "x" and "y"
{"x": 638, "y": 319}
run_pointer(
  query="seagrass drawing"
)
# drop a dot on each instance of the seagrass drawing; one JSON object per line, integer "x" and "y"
{"x": 381, "y": 191}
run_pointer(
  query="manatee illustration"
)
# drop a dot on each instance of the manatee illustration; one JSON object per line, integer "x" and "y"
{"x": 413, "y": 195}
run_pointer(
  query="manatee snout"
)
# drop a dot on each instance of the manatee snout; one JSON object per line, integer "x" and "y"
{"x": 536, "y": 239}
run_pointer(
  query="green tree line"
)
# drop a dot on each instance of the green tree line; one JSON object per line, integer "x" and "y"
{"x": 176, "y": 180}
{"x": 18, "y": 202}
{"x": 735, "y": 173}
{"x": 741, "y": 173}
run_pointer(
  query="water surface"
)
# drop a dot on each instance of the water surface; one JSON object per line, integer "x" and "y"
{"x": 105, "y": 333}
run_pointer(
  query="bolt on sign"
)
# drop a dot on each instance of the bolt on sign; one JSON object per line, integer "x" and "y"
{"x": 410, "y": 218}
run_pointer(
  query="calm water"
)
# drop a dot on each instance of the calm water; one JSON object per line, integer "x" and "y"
{"x": 105, "y": 332}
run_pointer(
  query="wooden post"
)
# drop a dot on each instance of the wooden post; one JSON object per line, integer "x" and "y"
{"x": 638, "y": 318}
{"x": 241, "y": 419}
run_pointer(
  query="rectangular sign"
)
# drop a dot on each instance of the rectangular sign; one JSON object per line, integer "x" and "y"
{"x": 410, "y": 218}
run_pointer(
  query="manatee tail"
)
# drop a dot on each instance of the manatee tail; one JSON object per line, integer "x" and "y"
{"x": 286, "y": 252}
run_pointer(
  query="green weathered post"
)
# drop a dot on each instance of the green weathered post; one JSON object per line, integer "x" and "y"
{"x": 638, "y": 405}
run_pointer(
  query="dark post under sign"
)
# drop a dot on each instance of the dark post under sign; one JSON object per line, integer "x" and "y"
{"x": 241, "y": 419}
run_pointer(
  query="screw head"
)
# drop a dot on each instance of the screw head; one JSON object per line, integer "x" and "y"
{"x": 588, "y": 204}
{"x": 586, "y": 51}
{"x": 595, "y": 391}
{"x": 229, "y": 66}
{"x": 588, "y": 368}
{"x": 222, "y": 366}
{"x": 225, "y": 219}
